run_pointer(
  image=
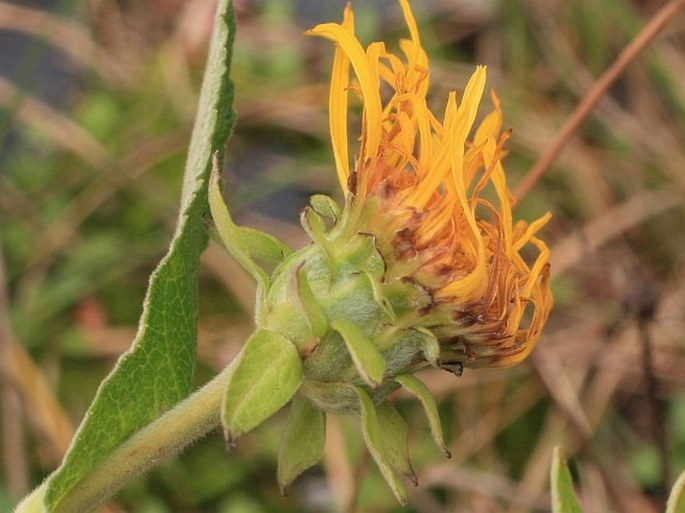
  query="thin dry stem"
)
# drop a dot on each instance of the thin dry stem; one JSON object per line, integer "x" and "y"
{"x": 609, "y": 225}
{"x": 581, "y": 112}
{"x": 60, "y": 128}
{"x": 338, "y": 468}
{"x": 657, "y": 417}
{"x": 13, "y": 448}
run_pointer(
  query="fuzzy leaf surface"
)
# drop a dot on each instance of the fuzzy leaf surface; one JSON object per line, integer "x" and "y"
{"x": 267, "y": 375}
{"x": 676, "y": 500}
{"x": 302, "y": 442}
{"x": 416, "y": 387}
{"x": 366, "y": 357}
{"x": 311, "y": 305}
{"x": 393, "y": 431}
{"x": 155, "y": 373}
{"x": 378, "y": 447}
{"x": 33, "y": 503}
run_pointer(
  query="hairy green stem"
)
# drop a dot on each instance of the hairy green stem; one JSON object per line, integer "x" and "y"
{"x": 167, "y": 436}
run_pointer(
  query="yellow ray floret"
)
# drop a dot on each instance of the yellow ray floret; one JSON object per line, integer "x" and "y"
{"x": 444, "y": 199}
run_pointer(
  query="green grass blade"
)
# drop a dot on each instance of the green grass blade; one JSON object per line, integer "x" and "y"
{"x": 563, "y": 495}
{"x": 156, "y": 372}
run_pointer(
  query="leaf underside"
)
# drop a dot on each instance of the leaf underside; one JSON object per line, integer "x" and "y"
{"x": 156, "y": 372}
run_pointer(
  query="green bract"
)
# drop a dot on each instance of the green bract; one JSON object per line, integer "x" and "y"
{"x": 337, "y": 331}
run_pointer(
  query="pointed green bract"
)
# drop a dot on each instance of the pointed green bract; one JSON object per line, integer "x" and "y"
{"x": 393, "y": 431}
{"x": 431, "y": 346}
{"x": 366, "y": 357}
{"x": 302, "y": 441}
{"x": 245, "y": 244}
{"x": 156, "y": 372}
{"x": 379, "y": 296}
{"x": 563, "y": 495}
{"x": 373, "y": 436}
{"x": 314, "y": 226}
{"x": 267, "y": 374}
{"x": 325, "y": 206}
{"x": 416, "y": 387}
{"x": 312, "y": 306}
{"x": 676, "y": 500}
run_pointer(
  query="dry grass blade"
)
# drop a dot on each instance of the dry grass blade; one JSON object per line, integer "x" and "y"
{"x": 561, "y": 387}
{"x": 339, "y": 471}
{"x": 69, "y": 36}
{"x": 13, "y": 448}
{"x": 22, "y": 382}
{"x": 25, "y": 390}
{"x": 612, "y": 223}
{"x": 489, "y": 484}
{"x": 61, "y": 231}
{"x": 51, "y": 424}
{"x": 58, "y": 127}
{"x": 663, "y": 16}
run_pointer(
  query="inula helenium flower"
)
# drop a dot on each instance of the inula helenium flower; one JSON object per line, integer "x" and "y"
{"x": 421, "y": 267}
{"x": 420, "y": 183}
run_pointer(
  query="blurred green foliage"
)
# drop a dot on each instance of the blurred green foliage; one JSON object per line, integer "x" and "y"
{"x": 87, "y": 210}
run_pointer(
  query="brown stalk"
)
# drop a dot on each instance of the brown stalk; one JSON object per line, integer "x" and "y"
{"x": 646, "y": 35}
{"x": 14, "y": 464}
{"x": 657, "y": 413}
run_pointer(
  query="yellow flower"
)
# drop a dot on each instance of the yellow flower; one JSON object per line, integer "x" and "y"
{"x": 436, "y": 202}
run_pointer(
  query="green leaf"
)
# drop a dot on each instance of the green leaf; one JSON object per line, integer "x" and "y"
{"x": 302, "y": 441}
{"x": 156, "y": 372}
{"x": 420, "y": 391}
{"x": 676, "y": 500}
{"x": 373, "y": 436}
{"x": 312, "y": 306}
{"x": 366, "y": 357}
{"x": 267, "y": 374}
{"x": 563, "y": 495}
{"x": 245, "y": 244}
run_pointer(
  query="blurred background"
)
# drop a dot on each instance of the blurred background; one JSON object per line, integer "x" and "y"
{"x": 97, "y": 100}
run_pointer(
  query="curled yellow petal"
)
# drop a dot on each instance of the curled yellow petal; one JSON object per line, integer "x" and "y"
{"x": 435, "y": 198}
{"x": 368, "y": 83}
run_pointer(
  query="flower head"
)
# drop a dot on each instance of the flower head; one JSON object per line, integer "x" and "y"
{"x": 421, "y": 267}
{"x": 436, "y": 201}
